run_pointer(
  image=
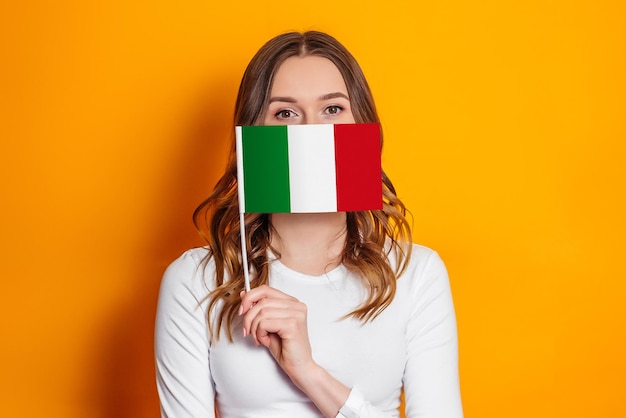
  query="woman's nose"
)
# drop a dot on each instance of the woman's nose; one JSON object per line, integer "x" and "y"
{"x": 312, "y": 119}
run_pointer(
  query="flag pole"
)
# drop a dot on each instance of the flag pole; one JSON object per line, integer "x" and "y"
{"x": 240, "y": 199}
{"x": 244, "y": 250}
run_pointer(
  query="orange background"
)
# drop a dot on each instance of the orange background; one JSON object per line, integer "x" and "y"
{"x": 505, "y": 131}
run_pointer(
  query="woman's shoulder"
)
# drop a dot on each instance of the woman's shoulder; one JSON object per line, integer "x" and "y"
{"x": 189, "y": 272}
{"x": 425, "y": 283}
{"x": 424, "y": 265}
{"x": 420, "y": 257}
{"x": 421, "y": 254}
{"x": 193, "y": 256}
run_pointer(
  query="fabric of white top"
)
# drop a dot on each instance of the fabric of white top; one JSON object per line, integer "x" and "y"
{"x": 412, "y": 343}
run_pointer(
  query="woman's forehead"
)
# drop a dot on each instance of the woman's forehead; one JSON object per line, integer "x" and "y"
{"x": 307, "y": 75}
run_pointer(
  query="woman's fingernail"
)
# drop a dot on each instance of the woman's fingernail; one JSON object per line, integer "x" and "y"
{"x": 245, "y": 334}
{"x": 240, "y": 310}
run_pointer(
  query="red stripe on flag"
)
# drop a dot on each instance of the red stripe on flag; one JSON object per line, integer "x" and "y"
{"x": 357, "y": 158}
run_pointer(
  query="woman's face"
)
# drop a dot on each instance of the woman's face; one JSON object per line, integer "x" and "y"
{"x": 308, "y": 90}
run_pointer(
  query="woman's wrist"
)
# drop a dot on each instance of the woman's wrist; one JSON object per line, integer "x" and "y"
{"x": 324, "y": 390}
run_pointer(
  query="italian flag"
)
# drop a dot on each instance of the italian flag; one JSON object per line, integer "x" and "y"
{"x": 309, "y": 168}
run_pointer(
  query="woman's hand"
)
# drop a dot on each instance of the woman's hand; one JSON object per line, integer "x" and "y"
{"x": 279, "y": 322}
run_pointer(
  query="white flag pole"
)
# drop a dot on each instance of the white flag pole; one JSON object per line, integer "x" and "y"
{"x": 244, "y": 250}
{"x": 242, "y": 221}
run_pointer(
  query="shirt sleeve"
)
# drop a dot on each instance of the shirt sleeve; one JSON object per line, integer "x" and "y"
{"x": 431, "y": 381}
{"x": 182, "y": 345}
{"x": 357, "y": 406}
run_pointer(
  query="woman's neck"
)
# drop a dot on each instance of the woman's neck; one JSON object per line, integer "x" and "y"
{"x": 309, "y": 243}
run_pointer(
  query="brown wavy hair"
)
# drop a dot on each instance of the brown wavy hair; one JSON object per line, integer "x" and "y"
{"x": 371, "y": 235}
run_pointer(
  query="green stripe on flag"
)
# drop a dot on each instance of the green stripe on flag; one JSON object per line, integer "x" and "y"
{"x": 266, "y": 169}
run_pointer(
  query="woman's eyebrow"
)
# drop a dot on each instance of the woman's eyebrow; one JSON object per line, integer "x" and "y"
{"x": 282, "y": 99}
{"x": 328, "y": 96}
{"x": 334, "y": 96}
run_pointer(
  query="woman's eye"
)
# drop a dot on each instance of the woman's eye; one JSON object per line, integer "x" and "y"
{"x": 333, "y": 110}
{"x": 285, "y": 114}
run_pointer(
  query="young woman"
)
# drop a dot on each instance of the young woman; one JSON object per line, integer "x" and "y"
{"x": 344, "y": 312}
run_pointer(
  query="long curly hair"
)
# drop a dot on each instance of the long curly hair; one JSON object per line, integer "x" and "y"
{"x": 371, "y": 235}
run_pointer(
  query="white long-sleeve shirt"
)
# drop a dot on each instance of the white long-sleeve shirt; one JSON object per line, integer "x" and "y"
{"x": 411, "y": 344}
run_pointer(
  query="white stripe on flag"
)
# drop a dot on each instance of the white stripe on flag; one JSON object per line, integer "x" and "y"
{"x": 312, "y": 177}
